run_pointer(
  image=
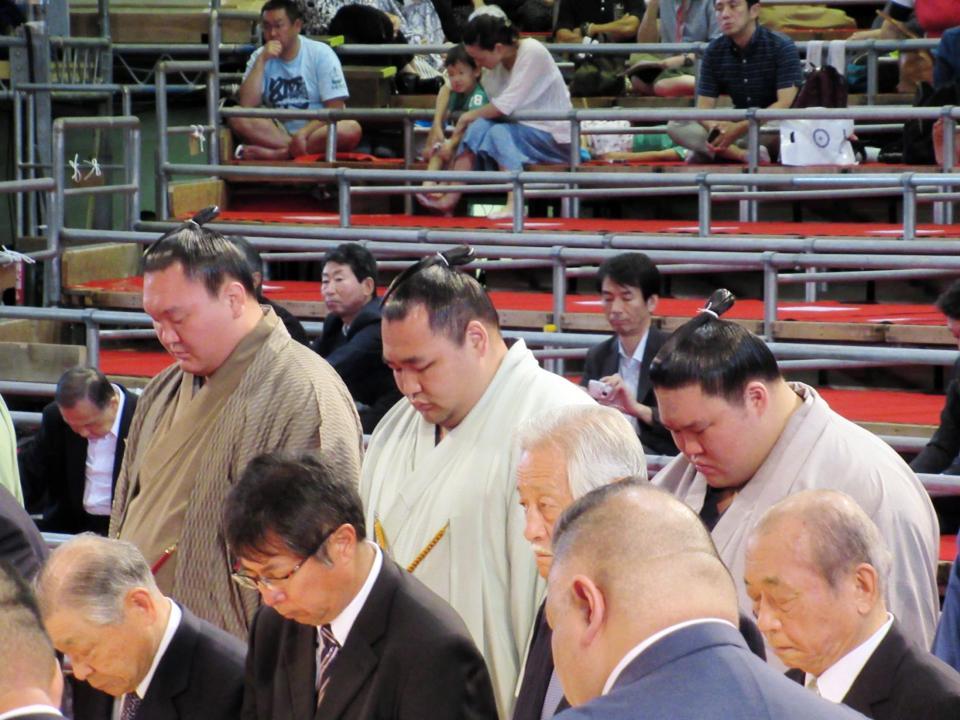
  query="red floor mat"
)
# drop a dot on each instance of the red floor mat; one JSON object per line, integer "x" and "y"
{"x": 827, "y": 311}
{"x": 888, "y": 406}
{"x": 295, "y": 210}
{"x": 133, "y": 363}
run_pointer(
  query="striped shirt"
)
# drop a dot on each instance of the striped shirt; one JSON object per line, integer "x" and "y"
{"x": 751, "y": 76}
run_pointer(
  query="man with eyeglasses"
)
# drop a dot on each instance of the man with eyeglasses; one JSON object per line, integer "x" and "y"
{"x": 438, "y": 478}
{"x": 290, "y": 72}
{"x": 344, "y": 632}
{"x": 240, "y": 387}
{"x": 134, "y": 652}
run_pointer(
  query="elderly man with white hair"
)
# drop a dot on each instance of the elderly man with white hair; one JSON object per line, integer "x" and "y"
{"x": 565, "y": 453}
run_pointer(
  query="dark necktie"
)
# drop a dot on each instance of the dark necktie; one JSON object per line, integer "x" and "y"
{"x": 326, "y": 656}
{"x": 130, "y": 705}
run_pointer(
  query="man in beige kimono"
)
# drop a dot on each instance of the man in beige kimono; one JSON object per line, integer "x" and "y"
{"x": 438, "y": 477}
{"x": 240, "y": 387}
{"x": 748, "y": 439}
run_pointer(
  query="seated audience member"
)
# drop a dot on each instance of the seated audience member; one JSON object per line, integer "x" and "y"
{"x": 21, "y": 544}
{"x": 69, "y": 468}
{"x": 817, "y": 572}
{"x": 681, "y": 21}
{"x": 134, "y": 652}
{"x": 290, "y": 72}
{"x": 941, "y": 453}
{"x": 629, "y": 286}
{"x": 749, "y": 438}
{"x": 756, "y": 67}
{"x": 344, "y": 631}
{"x": 946, "y": 67}
{"x": 594, "y": 18}
{"x": 350, "y": 341}
{"x": 644, "y": 618}
{"x": 518, "y": 75}
{"x": 30, "y": 680}
{"x": 294, "y": 327}
{"x": 462, "y": 92}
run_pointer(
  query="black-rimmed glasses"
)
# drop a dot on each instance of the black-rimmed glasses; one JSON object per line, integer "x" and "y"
{"x": 460, "y": 255}
{"x": 255, "y": 582}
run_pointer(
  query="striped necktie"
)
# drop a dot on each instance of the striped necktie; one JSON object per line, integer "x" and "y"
{"x": 325, "y": 656}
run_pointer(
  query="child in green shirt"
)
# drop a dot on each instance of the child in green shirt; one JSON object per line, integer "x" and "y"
{"x": 462, "y": 92}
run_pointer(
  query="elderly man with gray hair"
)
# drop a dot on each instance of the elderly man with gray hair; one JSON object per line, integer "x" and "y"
{"x": 139, "y": 653}
{"x": 816, "y": 571}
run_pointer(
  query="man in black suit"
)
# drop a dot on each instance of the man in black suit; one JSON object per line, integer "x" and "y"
{"x": 816, "y": 568}
{"x": 70, "y": 467}
{"x": 344, "y": 632}
{"x": 21, "y": 544}
{"x": 629, "y": 286}
{"x": 350, "y": 340}
{"x": 134, "y": 651}
{"x": 30, "y": 679}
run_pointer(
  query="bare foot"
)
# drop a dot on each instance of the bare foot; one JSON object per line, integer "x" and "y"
{"x": 443, "y": 203}
{"x": 505, "y": 214}
{"x": 256, "y": 152}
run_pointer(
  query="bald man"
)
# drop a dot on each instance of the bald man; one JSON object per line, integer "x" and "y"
{"x": 816, "y": 569}
{"x": 30, "y": 679}
{"x": 644, "y": 617}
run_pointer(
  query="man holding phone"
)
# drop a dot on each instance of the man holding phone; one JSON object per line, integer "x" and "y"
{"x": 756, "y": 67}
{"x": 616, "y": 371}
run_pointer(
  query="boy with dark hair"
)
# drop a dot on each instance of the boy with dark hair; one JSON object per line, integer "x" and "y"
{"x": 461, "y": 93}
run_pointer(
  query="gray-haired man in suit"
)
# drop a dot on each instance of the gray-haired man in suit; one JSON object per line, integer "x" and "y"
{"x": 136, "y": 653}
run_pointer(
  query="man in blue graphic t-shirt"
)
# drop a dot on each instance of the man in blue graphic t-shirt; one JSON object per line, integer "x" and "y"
{"x": 290, "y": 72}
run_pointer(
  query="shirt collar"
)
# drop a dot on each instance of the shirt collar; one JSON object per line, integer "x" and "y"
{"x": 751, "y": 45}
{"x": 115, "y": 428}
{"x": 635, "y": 652}
{"x": 637, "y": 351}
{"x": 835, "y": 682}
{"x": 173, "y": 622}
{"x": 341, "y": 625}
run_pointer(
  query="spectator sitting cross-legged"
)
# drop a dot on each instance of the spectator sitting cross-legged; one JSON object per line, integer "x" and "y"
{"x": 290, "y": 72}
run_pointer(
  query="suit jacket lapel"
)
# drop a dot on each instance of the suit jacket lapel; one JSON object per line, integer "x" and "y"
{"x": 299, "y": 658}
{"x": 611, "y": 358}
{"x": 173, "y": 673}
{"x": 875, "y": 680}
{"x": 359, "y": 656}
{"x": 129, "y": 406}
{"x": 654, "y": 343}
{"x": 76, "y": 463}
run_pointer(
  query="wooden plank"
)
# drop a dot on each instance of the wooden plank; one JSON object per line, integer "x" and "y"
{"x": 30, "y": 331}
{"x": 170, "y": 25}
{"x": 100, "y": 262}
{"x": 189, "y": 196}
{"x": 899, "y": 429}
{"x": 38, "y": 362}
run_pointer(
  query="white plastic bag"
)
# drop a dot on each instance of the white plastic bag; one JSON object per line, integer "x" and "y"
{"x": 816, "y": 142}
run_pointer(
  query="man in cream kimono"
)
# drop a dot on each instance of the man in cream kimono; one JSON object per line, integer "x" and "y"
{"x": 438, "y": 478}
{"x": 240, "y": 387}
{"x": 748, "y": 439}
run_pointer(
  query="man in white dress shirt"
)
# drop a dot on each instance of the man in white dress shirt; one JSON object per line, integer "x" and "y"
{"x": 69, "y": 469}
{"x": 133, "y": 650}
{"x": 816, "y": 568}
{"x": 30, "y": 679}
